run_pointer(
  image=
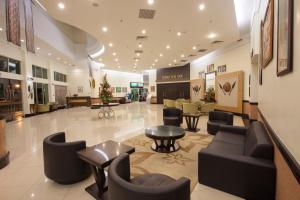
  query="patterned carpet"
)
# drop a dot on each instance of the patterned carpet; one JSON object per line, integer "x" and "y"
{"x": 178, "y": 164}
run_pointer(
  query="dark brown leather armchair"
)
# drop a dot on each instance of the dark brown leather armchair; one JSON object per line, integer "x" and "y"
{"x": 146, "y": 187}
{"x": 61, "y": 163}
{"x": 216, "y": 119}
{"x": 172, "y": 116}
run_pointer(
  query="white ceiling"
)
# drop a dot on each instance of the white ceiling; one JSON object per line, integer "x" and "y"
{"x": 172, "y": 16}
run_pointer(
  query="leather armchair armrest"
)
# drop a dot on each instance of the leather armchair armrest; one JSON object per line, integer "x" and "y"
{"x": 233, "y": 129}
{"x": 244, "y": 176}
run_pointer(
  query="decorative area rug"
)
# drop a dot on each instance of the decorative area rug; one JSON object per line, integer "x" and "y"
{"x": 182, "y": 163}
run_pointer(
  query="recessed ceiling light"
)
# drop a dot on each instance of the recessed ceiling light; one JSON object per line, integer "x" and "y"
{"x": 110, "y": 44}
{"x": 182, "y": 56}
{"x": 104, "y": 29}
{"x": 116, "y": 59}
{"x": 140, "y": 45}
{"x": 202, "y": 6}
{"x": 150, "y": 2}
{"x": 119, "y": 67}
{"x": 170, "y": 64}
{"x": 65, "y": 62}
{"x": 168, "y": 47}
{"x": 143, "y": 31}
{"x": 212, "y": 35}
{"x": 38, "y": 48}
{"x": 22, "y": 40}
{"x": 156, "y": 60}
{"x": 194, "y": 47}
{"x": 61, "y": 6}
{"x": 58, "y": 58}
{"x": 161, "y": 55}
{"x": 151, "y": 67}
{"x": 178, "y": 33}
{"x": 114, "y": 54}
{"x": 49, "y": 54}
{"x": 100, "y": 59}
{"x": 1, "y": 29}
{"x": 138, "y": 54}
{"x": 174, "y": 61}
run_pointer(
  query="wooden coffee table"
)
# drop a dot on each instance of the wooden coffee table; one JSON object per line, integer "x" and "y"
{"x": 192, "y": 120}
{"x": 165, "y": 138}
{"x": 99, "y": 157}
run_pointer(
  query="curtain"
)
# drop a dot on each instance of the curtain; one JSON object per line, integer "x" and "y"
{"x": 13, "y": 22}
{"x": 29, "y": 31}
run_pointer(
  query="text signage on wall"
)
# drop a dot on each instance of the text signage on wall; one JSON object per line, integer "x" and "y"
{"x": 173, "y": 74}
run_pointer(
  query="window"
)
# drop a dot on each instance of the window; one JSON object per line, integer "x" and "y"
{"x": 10, "y": 65}
{"x": 41, "y": 93}
{"x": 39, "y": 72}
{"x": 60, "y": 77}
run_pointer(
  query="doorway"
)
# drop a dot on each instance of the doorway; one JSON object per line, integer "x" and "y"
{"x": 60, "y": 94}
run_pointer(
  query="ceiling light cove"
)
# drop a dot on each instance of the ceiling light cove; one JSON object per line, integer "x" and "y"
{"x": 61, "y": 6}
{"x": 104, "y": 29}
{"x": 150, "y": 2}
{"x": 202, "y": 6}
{"x": 212, "y": 35}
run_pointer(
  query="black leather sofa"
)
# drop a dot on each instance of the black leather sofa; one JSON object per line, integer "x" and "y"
{"x": 240, "y": 161}
{"x": 145, "y": 187}
{"x": 172, "y": 116}
{"x": 61, "y": 163}
{"x": 217, "y": 118}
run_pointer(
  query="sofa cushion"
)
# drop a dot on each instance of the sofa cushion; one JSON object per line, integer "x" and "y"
{"x": 152, "y": 180}
{"x": 225, "y": 147}
{"x": 257, "y": 142}
{"x": 230, "y": 138}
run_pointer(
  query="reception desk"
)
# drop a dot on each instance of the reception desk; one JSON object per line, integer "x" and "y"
{"x": 78, "y": 101}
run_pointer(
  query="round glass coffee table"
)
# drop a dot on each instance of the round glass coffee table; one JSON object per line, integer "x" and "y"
{"x": 165, "y": 138}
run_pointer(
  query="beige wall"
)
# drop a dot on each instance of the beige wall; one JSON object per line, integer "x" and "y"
{"x": 236, "y": 57}
{"x": 279, "y": 96}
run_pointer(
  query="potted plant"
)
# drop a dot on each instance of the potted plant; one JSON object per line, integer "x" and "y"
{"x": 105, "y": 91}
{"x": 210, "y": 95}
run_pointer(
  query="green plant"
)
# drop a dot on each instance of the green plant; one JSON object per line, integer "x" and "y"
{"x": 210, "y": 95}
{"x": 105, "y": 91}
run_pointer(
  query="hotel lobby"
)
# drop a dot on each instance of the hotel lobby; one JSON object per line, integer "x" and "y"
{"x": 149, "y": 100}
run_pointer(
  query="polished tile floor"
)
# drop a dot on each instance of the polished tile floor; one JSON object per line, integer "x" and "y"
{"x": 24, "y": 179}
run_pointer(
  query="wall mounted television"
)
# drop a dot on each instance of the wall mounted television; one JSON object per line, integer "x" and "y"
{"x": 136, "y": 85}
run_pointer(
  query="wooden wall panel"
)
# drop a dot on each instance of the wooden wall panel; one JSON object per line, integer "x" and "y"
{"x": 287, "y": 186}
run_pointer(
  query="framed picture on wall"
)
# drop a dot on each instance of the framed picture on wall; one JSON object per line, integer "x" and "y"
{"x": 80, "y": 89}
{"x": 202, "y": 74}
{"x": 222, "y": 69}
{"x": 124, "y": 89}
{"x": 152, "y": 88}
{"x": 267, "y": 35}
{"x": 285, "y": 37}
{"x": 210, "y": 68}
{"x": 118, "y": 89}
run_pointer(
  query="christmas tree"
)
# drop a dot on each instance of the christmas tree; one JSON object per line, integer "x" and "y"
{"x": 105, "y": 91}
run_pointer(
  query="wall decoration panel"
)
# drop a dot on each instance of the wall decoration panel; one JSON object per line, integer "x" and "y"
{"x": 13, "y": 22}
{"x": 197, "y": 89}
{"x": 229, "y": 92}
{"x": 29, "y": 26}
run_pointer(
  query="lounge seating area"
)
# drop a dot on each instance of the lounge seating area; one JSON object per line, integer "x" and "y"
{"x": 149, "y": 100}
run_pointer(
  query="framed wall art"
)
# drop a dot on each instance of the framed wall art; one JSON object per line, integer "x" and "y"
{"x": 267, "y": 33}
{"x": 118, "y": 89}
{"x": 222, "y": 69}
{"x": 210, "y": 68}
{"x": 197, "y": 89}
{"x": 285, "y": 37}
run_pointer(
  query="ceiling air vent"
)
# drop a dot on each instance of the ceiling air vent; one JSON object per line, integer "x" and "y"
{"x": 140, "y": 37}
{"x": 183, "y": 61}
{"x": 138, "y": 51}
{"x": 192, "y": 55}
{"x": 217, "y": 42}
{"x": 202, "y": 50}
{"x": 146, "y": 14}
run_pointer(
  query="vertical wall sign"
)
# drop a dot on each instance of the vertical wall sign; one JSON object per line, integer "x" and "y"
{"x": 13, "y": 22}
{"x": 29, "y": 31}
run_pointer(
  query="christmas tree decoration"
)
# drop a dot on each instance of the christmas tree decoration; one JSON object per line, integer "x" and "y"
{"x": 105, "y": 93}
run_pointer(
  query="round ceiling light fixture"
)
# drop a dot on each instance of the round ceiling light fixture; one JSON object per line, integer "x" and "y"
{"x": 150, "y": 2}
{"x": 61, "y": 6}
{"x": 168, "y": 47}
{"x": 202, "y": 6}
{"x": 104, "y": 29}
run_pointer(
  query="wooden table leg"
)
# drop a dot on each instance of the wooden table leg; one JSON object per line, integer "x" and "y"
{"x": 98, "y": 189}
